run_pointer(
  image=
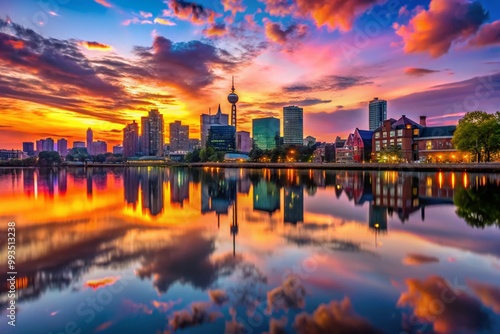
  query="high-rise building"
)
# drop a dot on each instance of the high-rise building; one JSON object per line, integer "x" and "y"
{"x": 118, "y": 149}
{"x": 377, "y": 113}
{"x": 206, "y": 121}
{"x": 48, "y": 144}
{"x": 62, "y": 147}
{"x": 194, "y": 144}
{"x": 131, "y": 140}
{"x": 29, "y": 148}
{"x": 222, "y": 138}
{"x": 90, "y": 140}
{"x": 179, "y": 137}
{"x": 78, "y": 144}
{"x": 99, "y": 147}
{"x": 266, "y": 133}
{"x": 39, "y": 146}
{"x": 152, "y": 136}
{"x": 243, "y": 142}
{"x": 293, "y": 125}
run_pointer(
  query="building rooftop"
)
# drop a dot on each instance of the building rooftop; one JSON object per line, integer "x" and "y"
{"x": 438, "y": 131}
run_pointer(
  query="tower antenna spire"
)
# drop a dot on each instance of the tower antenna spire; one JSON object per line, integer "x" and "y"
{"x": 232, "y": 86}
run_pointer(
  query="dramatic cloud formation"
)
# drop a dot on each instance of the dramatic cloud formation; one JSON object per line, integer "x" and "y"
{"x": 419, "y": 259}
{"x": 191, "y": 11}
{"x": 336, "y": 317}
{"x": 444, "y": 23}
{"x": 95, "y": 46}
{"x": 488, "y": 294}
{"x": 418, "y": 72}
{"x": 489, "y": 34}
{"x": 276, "y": 34}
{"x": 449, "y": 310}
{"x": 290, "y": 295}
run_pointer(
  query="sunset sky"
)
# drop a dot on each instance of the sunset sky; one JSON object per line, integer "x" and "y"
{"x": 66, "y": 65}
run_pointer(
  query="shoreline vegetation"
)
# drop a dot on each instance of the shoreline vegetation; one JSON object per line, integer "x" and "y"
{"x": 493, "y": 167}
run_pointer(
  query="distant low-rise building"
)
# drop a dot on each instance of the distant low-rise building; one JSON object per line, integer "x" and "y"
{"x": 78, "y": 144}
{"x": 118, "y": 149}
{"x": 12, "y": 154}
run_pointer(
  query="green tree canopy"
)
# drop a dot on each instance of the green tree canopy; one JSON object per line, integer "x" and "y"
{"x": 478, "y": 133}
{"x": 48, "y": 158}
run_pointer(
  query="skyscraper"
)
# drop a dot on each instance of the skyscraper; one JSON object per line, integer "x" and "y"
{"x": 266, "y": 132}
{"x": 293, "y": 126}
{"x": 130, "y": 140}
{"x": 62, "y": 147}
{"x": 90, "y": 140}
{"x": 179, "y": 137}
{"x": 377, "y": 113}
{"x": 222, "y": 138}
{"x": 206, "y": 121}
{"x": 29, "y": 148}
{"x": 152, "y": 137}
{"x": 48, "y": 144}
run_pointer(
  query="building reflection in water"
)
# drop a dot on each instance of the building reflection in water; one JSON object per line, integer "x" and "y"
{"x": 179, "y": 186}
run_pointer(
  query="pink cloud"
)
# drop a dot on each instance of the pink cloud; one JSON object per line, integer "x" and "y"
{"x": 489, "y": 34}
{"x": 445, "y": 23}
{"x": 104, "y": 3}
{"x": 234, "y": 6}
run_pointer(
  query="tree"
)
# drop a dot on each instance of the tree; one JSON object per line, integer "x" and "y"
{"x": 100, "y": 158}
{"x": 478, "y": 133}
{"x": 48, "y": 158}
{"x": 391, "y": 153}
{"x": 478, "y": 206}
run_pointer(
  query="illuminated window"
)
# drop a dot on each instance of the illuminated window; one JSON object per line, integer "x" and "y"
{"x": 393, "y": 133}
{"x": 384, "y": 134}
{"x": 428, "y": 145}
{"x": 400, "y": 133}
{"x": 377, "y": 134}
{"x": 408, "y": 126}
{"x": 416, "y": 132}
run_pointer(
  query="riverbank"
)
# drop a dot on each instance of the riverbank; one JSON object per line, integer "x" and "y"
{"x": 469, "y": 167}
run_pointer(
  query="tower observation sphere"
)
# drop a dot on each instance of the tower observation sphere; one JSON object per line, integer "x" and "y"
{"x": 233, "y": 99}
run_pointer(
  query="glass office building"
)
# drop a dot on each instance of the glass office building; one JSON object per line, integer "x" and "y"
{"x": 266, "y": 133}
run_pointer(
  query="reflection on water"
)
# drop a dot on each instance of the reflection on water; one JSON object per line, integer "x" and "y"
{"x": 154, "y": 250}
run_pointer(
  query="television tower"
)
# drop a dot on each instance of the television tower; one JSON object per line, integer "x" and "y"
{"x": 233, "y": 99}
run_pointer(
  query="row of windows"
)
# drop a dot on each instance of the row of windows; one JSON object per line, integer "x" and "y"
{"x": 392, "y": 133}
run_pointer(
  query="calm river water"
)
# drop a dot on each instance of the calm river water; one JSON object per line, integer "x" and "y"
{"x": 164, "y": 250}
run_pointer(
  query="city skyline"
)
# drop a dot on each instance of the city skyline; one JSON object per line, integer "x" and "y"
{"x": 122, "y": 59}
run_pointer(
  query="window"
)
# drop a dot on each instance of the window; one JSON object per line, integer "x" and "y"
{"x": 400, "y": 142}
{"x": 391, "y": 142}
{"x": 408, "y": 126}
{"x": 416, "y": 132}
{"x": 384, "y": 134}
{"x": 384, "y": 143}
{"x": 377, "y": 134}
{"x": 400, "y": 133}
{"x": 377, "y": 146}
{"x": 428, "y": 145}
{"x": 393, "y": 133}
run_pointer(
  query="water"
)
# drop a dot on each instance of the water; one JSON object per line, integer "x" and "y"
{"x": 158, "y": 250}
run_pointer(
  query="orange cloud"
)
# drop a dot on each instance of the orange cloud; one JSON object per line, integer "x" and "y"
{"x": 418, "y": 72}
{"x": 275, "y": 33}
{"x": 191, "y": 11}
{"x": 448, "y": 309}
{"x": 165, "y": 22}
{"x": 104, "y": 3}
{"x": 419, "y": 259}
{"x": 165, "y": 306}
{"x": 445, "y": 22}
{"x": 290, "y": 295}
{"x": 336, "y": 317}
{"x": 101, "y": 283}
{"x": 234, "y": 6}
{"x": 218, "y": 297}
{"x": 95, "y": 46}
{"x": 488, "y": 294}
{"x": 16, "y": 44}
{"x": 218, "y": 29}
{"x": 335, "y": 14}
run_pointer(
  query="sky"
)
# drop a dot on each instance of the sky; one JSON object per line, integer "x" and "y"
{"x": 67, "y": 65}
